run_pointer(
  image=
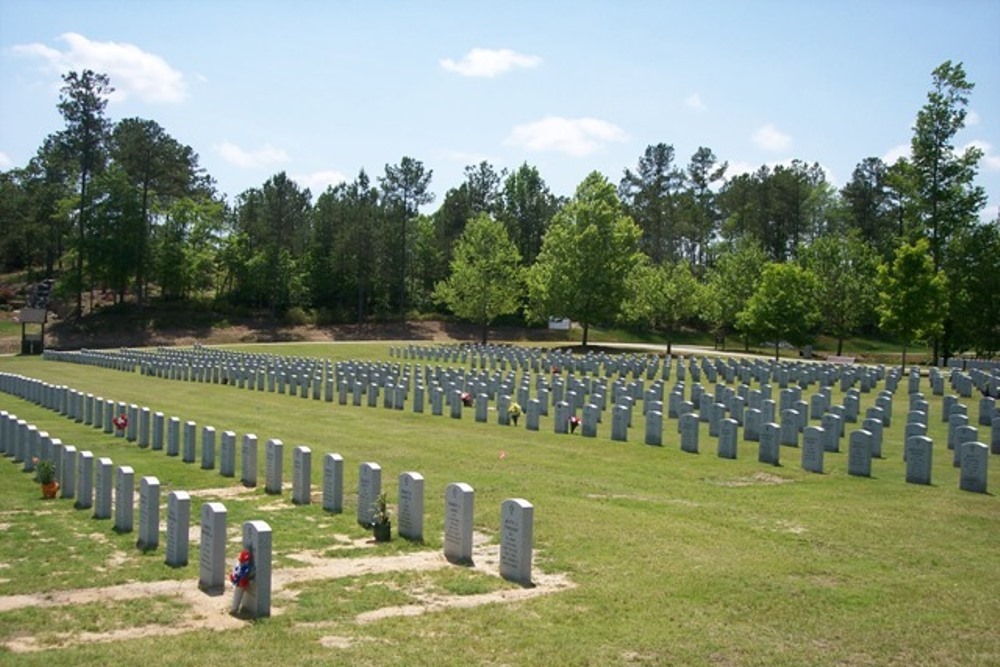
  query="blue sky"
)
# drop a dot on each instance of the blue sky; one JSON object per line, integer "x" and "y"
{"x": 322, "y": 89}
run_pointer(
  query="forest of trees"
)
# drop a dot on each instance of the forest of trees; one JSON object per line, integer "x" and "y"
{"x": 777, "y": 254}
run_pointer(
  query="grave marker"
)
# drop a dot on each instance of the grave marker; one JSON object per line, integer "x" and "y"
{"x": 812, "y": 449}
{"x": 178, "y": 520}
{"x": 257, "y": 539}
{"x": 974, "y": 464}
{"x": 369, "y": 489}
{"x": 918, "y": 459}
{"x": 102, "y": 501}
{"x": 301, "y": 475}
{"x": 516, "y": 538}
{"x": 212, "y": 560}
{"x": 124, "y": 498}
{"x": 333, "y": 483}
{"x": 459, "y": 498}
{"x": 149, "y": 513}
{"x": 248, "y": 463}
{"x": 859, "y": 454}
{"x": 411, "y": 506}
{"x": 85, "y": 477}
{"x": 273, "y": 459}
{"x": 770, "y": 444}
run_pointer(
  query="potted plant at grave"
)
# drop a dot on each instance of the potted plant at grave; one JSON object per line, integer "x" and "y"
{"x": 381, "y": 525}
{"x": 45, "y": 474}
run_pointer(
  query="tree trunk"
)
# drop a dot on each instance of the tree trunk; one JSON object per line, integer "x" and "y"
{"x": 485, "y": 331}
{"x": 586, "y": 331}
{"x": 902, "y": 367}
{"x": 840, "y": 345}
{"x": 777, "y": 345}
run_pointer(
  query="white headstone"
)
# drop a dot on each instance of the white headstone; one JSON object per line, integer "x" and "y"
{"x": 273, "y": 457}
{"x": 124, "y": 498}
{"x": 411, "y": 506}
{"x": 458, "y": 507}
{"x": 918, "y": 459}
{"x": 248, "y": 460}
{"x": 333, "y": 483}
{"x": 301, "y": 475}
{"x": 257, "y": 539}
{"x": 149, "y": 513}
{"x": 369, "y": 489}
{"x": 516, "y": 538}
{"x": 212, "y": 561}
{"x": 975, "y": 458}
{"x": 178, "y": 521}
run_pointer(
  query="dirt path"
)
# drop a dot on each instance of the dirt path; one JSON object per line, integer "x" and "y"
{"x": 212, "y": 611}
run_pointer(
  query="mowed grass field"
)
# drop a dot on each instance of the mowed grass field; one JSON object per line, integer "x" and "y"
{"x": 676, "y": 558}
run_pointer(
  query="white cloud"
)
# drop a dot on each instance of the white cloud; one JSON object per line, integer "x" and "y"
{"x": 264, "y": 156}
{"x": 738, "y": 167}
{"x": 574, "y": 136}
{"x": 489, "y": 62}
{"x": 5, "y": 161}
{"x": 319, "y": 181}
{"x": 896, "y": 152}
{"x": 990, "y": 160}
{"x": 693, "y": 101}
{"x": 132, "y": 71}
{"x": 771, "y": 138}
{"x": 972, "y": 118}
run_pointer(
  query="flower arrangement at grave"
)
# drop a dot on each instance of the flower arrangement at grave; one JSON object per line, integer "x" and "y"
{"x": 514, "y": 412}
{"x": 240, "y": 577}
{"x": 574, "y": 422}
{"x": 120, "y": 422}
{"x": 381, "y": 523}
{"x": 45, "y": 474}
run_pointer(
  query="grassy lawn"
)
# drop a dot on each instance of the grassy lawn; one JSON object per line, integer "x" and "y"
{"x": 676, "y": 559}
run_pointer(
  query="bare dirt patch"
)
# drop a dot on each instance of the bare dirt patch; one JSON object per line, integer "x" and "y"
{"x": 756, "y": 479}
{"x": 212, "y": 611}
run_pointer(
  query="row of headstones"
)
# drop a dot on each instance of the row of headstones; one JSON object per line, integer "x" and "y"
{"x": 960, "y": 431}
{"x": 988, "y": 383}
{"x": 85, "y": 480}
{"x": 970, "y": 364}
{"x": 250, "y": 369}
{"x": 647, "y": 364}
{"x": 237, "y": 369}
{"x": 150, "y": 429}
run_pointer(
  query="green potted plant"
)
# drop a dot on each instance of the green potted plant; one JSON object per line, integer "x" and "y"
{"x": 381, "y": 525}
{"x": 45, "y": 474}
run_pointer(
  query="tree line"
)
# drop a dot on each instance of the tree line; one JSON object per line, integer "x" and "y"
{"x": 775, "y": 255}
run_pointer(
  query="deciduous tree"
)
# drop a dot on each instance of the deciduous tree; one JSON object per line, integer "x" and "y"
{"x": 586, "y": 256}
{"x": 485, "y": 280}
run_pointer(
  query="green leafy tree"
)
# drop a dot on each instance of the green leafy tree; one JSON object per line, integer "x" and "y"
{"x": 82, "y": 101}
{"x": 185, "y": 247}
{"x": 485, "y": 280}
{"x": 945, "y": 199}
{"x": 783, "y": 308}
{"x": 845, "y": 269}
{"x": 405, "y": 188}
{"x": 702, "y": 210}
{"x": 586, "y": 256}
{"x": 912, "y": 295}
{"x": 652, "y": 196}
{"x": 661, "y": 297}
{"x": 868, "y": 204}
{"x": 729, "y": 284}
{"x": 162, "y": 170}
{"x": 975, "y": 290}
{"x": 526, "y": 208}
